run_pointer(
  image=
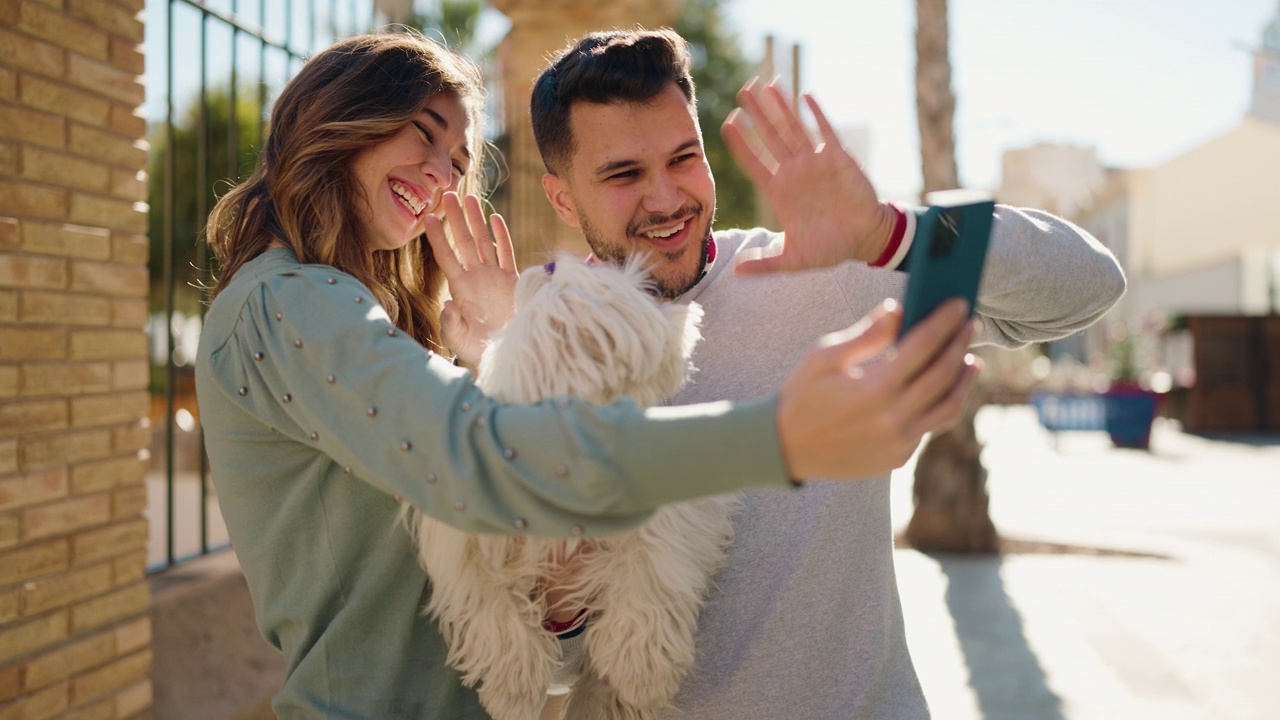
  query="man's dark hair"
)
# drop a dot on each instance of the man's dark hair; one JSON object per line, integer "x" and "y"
{"x": 632, "y": 66}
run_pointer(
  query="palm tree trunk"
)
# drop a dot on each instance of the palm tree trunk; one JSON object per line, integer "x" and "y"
{"x": 951, "y": 513}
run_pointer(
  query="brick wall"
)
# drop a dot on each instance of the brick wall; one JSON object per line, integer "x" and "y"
{"x": 75, "y": 636}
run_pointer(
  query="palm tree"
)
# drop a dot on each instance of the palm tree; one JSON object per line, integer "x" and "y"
{"x": 951, "y": 513}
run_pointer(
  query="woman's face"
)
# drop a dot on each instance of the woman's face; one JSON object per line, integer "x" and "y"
{"x": 404, "y": 176}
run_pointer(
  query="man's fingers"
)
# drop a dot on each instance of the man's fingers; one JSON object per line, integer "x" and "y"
{"x": 765, "y": 127}
{"x": 754, "y": 261}
{"x": 747, "y": 157}
{"x": 502, "y": 235}
{"x": 828, "y": 132}
{"x": 796, "y": 135}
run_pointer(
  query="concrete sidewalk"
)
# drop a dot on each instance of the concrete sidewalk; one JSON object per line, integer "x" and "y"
{"x": 1179, "y": 618}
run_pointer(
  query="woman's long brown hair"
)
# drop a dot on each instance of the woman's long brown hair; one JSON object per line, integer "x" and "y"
{"x": 349, "y": 97}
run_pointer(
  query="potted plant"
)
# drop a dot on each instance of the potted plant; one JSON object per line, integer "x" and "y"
{"x": 1130, "y": 407}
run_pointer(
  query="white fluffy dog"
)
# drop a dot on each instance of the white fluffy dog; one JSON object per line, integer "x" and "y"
{"x": 594, "y": 332}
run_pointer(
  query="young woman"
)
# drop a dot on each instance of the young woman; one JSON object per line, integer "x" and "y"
{"x": 327, "y": 394}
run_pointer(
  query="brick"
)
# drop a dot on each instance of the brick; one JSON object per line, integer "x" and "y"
{"x": 107, "y": 212}
{"x": 105, "y": 474}
{"x": 10, "y": 682}
{"x": 131, "y": 567}
{"x": 128, "y": 185}
{"x": 33, "y": 488}
{"x": 126, "y": 602}
{"x": 131, "y": 375}
{"x": 8, "y": 306}
{"x": 129, "y": 502}
{"x": 69, "y": 660}
{"x": 129, "y": 313}
{"x": 115, "y": 676}
{"x": 102, "y": 710}
{"x": 134, "y": 699}
{"x": 28, "y": 53}
{"x": 10, "y": 604}
{"x": 60, "y": 29}
{"x": 79, "y": 241}
{"x": 133, "y": 635}
{"x": 10, "y": 234}
{"x": 19, "y": 343}
{"x": 130, "y": 248}
{"x": 29, "y": 271}
{"x": 31, "y": 634}
{"x": 107, "y": 344}
{"x": 10, "y": 530}
{"x": 129, "y": 439}
{"x": 110, "y": 278}
{"x": 61, "y": 308}
{"x": 8, "y": 158}
{"x": 61, "y": 99}
{"x": 134, "y": 6}
{"x": 110, "y": 541}
{"x": 127, "y": 55}
{"x": 31, "y": 416}
{"x": 8, "y": 84}
{"x": 75, "y": 378}
{"x": 42, "y": 705}
{"x": 116, "y": 83}
{"x": 128, "y": 121}
{"x": 32, "y": 126}
{"x": 8, "y": 458}
{"x": 31, "y": 561}
{"x": 109, "y": 147}
{"x": 126, "y": 407}
{"x": 66, "y": 588}
{"x": 66, "y": 170}
{"x": 65, "y": 516}
{"x": 42, "y": 451}
{"x": 8, "y": 381}
{"x": 113, "y": 18}
{"x": 24, "y": 198}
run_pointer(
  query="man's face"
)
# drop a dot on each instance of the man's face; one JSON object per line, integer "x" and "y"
{"x": 638, "y": 181}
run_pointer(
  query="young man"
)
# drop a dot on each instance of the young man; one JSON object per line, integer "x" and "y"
{"x": 806, "y": 622}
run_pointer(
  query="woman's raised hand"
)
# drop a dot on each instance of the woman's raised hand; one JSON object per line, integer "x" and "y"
{"x": 480, "y": 268}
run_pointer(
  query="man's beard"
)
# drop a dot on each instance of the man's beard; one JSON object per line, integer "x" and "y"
{"x": 668, "y": 288}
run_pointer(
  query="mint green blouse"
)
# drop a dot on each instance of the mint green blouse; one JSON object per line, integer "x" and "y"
{"x": 319, "y": 415}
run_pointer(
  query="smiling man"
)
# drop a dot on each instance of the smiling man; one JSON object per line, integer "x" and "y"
{"x": 806, "y": 620}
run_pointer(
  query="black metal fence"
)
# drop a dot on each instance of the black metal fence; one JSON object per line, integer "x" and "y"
{"x": 214, "y": 69}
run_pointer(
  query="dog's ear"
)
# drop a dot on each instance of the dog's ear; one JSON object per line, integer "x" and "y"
{"x": 682, "y": 335}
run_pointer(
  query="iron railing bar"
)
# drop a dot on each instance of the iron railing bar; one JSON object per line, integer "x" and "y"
{"x": 170, "y": 169}
{"x": 231, "y": 19}
{"x": 202, "y": 255}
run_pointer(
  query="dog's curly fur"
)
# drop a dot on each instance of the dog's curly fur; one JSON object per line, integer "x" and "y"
{"x": 595, "y": 332}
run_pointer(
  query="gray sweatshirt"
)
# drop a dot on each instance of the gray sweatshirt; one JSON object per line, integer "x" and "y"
{"x": 805, "y": 621}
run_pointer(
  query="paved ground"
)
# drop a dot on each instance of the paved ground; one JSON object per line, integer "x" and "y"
{"x": 1186, "y": 625}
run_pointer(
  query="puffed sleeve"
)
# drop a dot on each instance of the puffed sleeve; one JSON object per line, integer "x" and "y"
{"x": 314, "y": 357}
{"x": 1045, "y": 278}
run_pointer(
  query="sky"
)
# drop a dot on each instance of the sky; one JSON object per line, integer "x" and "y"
{"x": 1140, "y": 81}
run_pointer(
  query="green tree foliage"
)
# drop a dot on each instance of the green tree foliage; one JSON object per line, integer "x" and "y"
{"x": 191, "y": 202}
{"x": 719, "y": 71}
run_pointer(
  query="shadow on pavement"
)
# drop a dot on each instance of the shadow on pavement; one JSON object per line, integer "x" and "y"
{"x": 1004, "y": 672}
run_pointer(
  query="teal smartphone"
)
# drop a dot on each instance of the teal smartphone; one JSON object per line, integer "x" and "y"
{"x": 948, "y": 253}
